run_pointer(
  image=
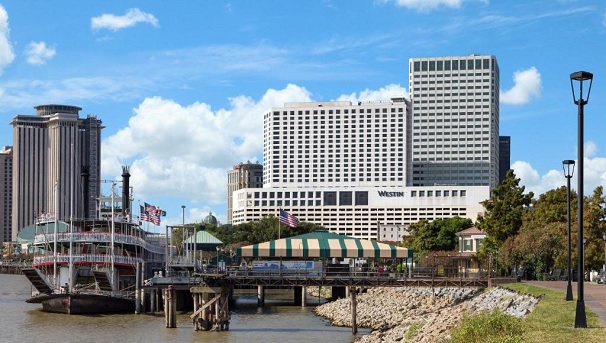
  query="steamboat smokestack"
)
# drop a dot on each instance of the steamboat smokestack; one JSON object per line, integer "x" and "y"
{"x": 125, "y": 191}
{"x": 84, "y": 174}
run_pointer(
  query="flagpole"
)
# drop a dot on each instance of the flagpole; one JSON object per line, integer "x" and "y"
{"x": 279, "y": 228}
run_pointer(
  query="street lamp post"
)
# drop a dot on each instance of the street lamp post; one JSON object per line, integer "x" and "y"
{"x": 580, "y": 320}
{"x": 568, "y": 166}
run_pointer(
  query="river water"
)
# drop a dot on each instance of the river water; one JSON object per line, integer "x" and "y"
{"x": 21, "y": 322}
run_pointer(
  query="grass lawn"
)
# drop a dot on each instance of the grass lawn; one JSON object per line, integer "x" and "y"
{"x": 552, "y": 320}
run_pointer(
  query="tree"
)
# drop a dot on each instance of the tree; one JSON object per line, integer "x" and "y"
{"x": 503, "y": 212}
{"x": 594, "y": 228}
{"x": 437, "y": 235}
{"x": 266, "y": 229}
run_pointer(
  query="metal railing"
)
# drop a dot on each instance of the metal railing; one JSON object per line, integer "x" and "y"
{"x": 103, "y": 237}
{"x": 86, "y": 258}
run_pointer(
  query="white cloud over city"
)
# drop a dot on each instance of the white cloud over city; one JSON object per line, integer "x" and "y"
{"x": 176, "y": 149}
{"x": 426, "y": 5}
{"x": 383, "y": 93}
{"x": 527, "y": 85}
{"x": 594, "y": 174}
{"x": 7, "y": 54}
{"x": 114, "y": 22}
{"x": 38, "y": 53}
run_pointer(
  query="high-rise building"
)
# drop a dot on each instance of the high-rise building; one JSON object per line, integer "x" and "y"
{"x": 347, "y": 167}
{"x": 504, "y": 156}
{"x": 455, "y": 120}
{"x": 243, "y": 175}
{"x": 56, "y": 165}
{"x": 6, "y": 193}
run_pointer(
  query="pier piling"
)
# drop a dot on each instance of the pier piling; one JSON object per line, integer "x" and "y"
{"x": 211, "y": 308}
{"x": 170, "y": 307}
{"x": 354, "y": 324}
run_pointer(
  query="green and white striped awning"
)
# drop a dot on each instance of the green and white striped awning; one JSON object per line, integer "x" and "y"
{"x": 322, "y": 243}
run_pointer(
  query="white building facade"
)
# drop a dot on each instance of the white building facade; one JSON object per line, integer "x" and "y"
{"x": 362, "y": 212}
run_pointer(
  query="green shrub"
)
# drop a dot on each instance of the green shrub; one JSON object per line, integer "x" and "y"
{"x": 413, "y": 331}
{"x": 494, "y": 327}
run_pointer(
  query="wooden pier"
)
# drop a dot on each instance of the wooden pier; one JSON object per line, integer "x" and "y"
{"x": 211, "y": 292}
{"x": 12, "y": 267}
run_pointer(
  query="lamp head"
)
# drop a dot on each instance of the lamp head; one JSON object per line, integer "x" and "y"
{"x": 568, "y": 166}
{"x": 581, "y": 76}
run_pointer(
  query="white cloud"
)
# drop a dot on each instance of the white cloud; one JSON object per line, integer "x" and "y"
{"x": 527, "y": 84}
{"x": 532, "y": 181}
{"x": 384, "y": 93}
{"x": 186, "y": 150}
{"x": 426, "y": 5}
{"x": 594, "y": 174}
{"x": 115, "y": 23}
{"x": 39, "y": 53}
{"x": 604, "y": 19}
{"x": 6, "y": 49}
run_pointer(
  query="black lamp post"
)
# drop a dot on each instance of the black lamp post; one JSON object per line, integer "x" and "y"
{"x": 580, "y": 320}
{"x": 568, "y": 166}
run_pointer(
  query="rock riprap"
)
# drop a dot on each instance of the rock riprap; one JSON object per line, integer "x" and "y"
{"x": 421, "y": 314}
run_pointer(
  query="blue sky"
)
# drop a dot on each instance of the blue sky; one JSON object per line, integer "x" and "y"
{"x": 181, "y": 86}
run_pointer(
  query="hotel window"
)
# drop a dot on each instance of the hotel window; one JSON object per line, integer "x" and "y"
{"x": 361, "y": 198}
{"x": 330, "y": 198}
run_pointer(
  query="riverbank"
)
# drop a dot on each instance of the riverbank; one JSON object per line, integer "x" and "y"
{"x": 421, "y": 314}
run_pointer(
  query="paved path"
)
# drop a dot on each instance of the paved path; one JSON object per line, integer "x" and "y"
{"x": 595, "y": 295}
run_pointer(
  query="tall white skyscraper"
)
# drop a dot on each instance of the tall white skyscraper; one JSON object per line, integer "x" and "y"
{"x": 337, "y": 144}
{"x": 455, "y": 139}
{"x": 56, "y": 165}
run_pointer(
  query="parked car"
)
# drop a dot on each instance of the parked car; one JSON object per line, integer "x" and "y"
{"x": 601, "y": 278}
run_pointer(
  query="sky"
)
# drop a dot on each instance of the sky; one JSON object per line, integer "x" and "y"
{"x": 182, "y": 86}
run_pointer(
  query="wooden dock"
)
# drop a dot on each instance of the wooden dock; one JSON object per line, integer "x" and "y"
{"x": 211, "y": 292}
{"x": 12, "y": 267}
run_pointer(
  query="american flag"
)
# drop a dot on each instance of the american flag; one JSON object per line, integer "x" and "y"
{"x": 150, "y": 213}
{"x": 288, "y": 219}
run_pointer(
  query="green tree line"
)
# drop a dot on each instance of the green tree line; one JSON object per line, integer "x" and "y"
{"x": 522, "y": 231}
